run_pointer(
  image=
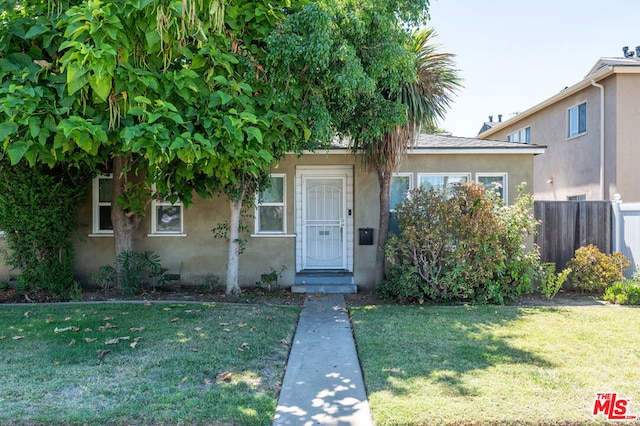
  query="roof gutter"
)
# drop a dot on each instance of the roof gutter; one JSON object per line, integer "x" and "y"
{"x": 601, "y": 87}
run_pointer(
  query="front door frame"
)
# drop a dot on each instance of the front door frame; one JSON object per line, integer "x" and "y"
{"x": 343, "y": 172}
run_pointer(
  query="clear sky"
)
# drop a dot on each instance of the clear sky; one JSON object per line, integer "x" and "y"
{"x": 514, "y": 54}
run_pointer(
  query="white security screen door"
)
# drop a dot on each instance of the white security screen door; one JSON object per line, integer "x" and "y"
{"x": 324, "y": 214}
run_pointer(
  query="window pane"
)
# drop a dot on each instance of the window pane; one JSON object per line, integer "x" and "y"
{"x": 399, "y": 189}
{"x": 275, "y": 194}
{"x": 582, "y": 118}
{"x": 493, "y": 183}
{"x": 105, "y": 218}
{"x": 104, "y": 194}
{"x": 271, "y": 218}
{"x": 168, "y": 219}
{"x": 439, "y": 183}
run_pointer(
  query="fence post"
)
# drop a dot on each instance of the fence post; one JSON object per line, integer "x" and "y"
{"x": 618, "y": 224}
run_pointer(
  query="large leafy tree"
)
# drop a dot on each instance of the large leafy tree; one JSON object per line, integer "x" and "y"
{"x": 167, "y": 92}
{"x": 367, "y": 77}
{"x": 426, "y": 98}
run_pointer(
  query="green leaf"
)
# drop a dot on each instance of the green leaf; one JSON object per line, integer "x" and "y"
{"x": 6, "y": 129}
{"x": 101, "y": 86}
{"x": 255, "y": 132}
{"x": 142, "y": 100}
{"x": 17, "y": 150}
{"x": 77, "y": 77}
{"x": 36, "y": 30}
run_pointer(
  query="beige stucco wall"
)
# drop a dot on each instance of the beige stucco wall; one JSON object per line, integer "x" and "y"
{"x": 4, "y": 269}
{"x": 625, "y": 114}
{"x": 200, "y": 258}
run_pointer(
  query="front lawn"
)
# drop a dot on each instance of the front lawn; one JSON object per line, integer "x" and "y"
{"x": 142, "y": 364}
{"x": 496, "y": 364}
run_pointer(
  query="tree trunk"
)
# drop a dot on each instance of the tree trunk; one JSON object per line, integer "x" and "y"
{"x": 124, "y": 223}
{"x": 384, "y": 180}
{"x": 234, "y": 247}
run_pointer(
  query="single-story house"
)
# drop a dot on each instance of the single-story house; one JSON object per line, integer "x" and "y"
{"x": 320, "y": 217}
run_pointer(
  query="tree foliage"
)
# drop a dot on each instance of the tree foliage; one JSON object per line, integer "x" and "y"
{"x": 173, "y": 92}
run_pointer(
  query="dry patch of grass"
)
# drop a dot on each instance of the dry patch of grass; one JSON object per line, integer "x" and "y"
{"x": 142, "y": 364}
{"x": 496, "y": 365}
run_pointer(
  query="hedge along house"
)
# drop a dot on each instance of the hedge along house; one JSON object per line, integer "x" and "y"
{"x": 317, "y": 225}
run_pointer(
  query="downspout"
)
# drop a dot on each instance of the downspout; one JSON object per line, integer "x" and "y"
{"x": 601, "y": 87}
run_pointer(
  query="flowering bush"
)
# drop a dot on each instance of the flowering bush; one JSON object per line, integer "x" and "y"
{"x": 594, "y": 271}
{"x": 463, "y": 245}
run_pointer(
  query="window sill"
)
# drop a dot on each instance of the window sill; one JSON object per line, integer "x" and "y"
{"x": 576, "y": 136}
{"x": 265, "y": 235}
{"x": 167, "y": 235}
{"x": 100, "y": 235}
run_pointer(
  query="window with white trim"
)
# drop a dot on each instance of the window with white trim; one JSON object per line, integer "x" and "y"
{"x": 401, "y": 184}
{"x": 496, "y": 182}
{"x": 102, "y": 190}
{"x": 577, "y": 120}
{"x": 270, "y": 207}
{"x": 442, "y": 182}
{"x": 521, "y": 136}
{"x": 166, "y": 218}
{"x": 582, "y": 197}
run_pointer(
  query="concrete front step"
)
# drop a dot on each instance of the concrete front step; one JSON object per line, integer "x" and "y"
{"x": 325, "y": 288}
{"x": 324, "y": 282}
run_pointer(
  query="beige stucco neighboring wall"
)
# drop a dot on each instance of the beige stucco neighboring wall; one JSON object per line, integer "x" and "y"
{"x": 625, "y": 114}
{"x": 571, "y": 166}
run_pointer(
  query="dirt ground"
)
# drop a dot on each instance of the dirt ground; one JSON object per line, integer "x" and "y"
{"x": 285, "y": 297}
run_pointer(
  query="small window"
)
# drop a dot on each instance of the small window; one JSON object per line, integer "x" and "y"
{"x": 577, "y": 120}
{"x": 102, "y": 190}
{"x": 166, "y": 218}
{"x": 496, "y": 182}
{"x": 270, "y": 207}
{"x": 441, "y": 182}
{"x": 521, "y": 136}
{"x": 582, "y": 197}
{"x": 401, "y": 184}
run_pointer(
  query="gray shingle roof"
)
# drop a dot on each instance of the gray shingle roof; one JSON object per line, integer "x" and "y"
{"x": 440, "y": 142}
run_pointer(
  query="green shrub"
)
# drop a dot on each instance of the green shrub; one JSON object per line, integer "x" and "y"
{"x": 137, "y": 271}
{"x": 624, "y": 292}
{"x": 594, "y": 271}
{"x": 38, "y": 215}
{"x": 463, "y": 245}
{"x": 551, "y": 282}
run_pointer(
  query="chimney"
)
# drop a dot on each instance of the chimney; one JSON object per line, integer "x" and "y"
{"x": 491, "y": 119}
{"x": 499, "y": 118}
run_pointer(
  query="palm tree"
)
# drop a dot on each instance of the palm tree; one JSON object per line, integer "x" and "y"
{"x": 427, "y": 98}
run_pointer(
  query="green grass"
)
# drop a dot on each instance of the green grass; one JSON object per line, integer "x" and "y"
{"x": 496, "y": 365}
{"x": 167, "y": 377}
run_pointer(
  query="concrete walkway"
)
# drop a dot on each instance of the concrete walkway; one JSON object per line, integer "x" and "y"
{"x": 323, "y": 382}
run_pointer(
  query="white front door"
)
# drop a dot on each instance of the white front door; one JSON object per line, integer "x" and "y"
{"x": 324, "y": 214}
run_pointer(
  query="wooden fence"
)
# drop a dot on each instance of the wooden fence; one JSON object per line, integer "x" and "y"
{"x": 568, "y": 225}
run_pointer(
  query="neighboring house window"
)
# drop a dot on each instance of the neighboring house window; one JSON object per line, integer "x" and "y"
{"x": 578, "y": 120}
{"x": 582, "y": 197}
{"x": 401, "y": 184}
{"x": 270, "y": 207}
{"x": 102, "y": 189}
{"x": 522, "y": 136}
{"x": 441, "y": 182}
{"x": 496, "y": 182}
{"x": 166, "y": 218}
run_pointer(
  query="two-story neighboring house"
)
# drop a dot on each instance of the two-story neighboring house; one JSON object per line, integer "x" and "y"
{"x": 592, "y": 134}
